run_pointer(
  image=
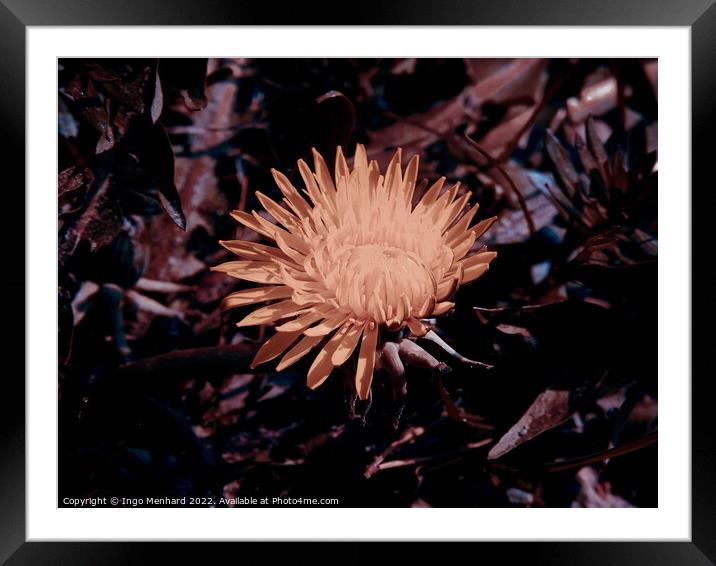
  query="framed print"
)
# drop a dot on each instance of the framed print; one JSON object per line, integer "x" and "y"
{"x": 390, "y": 278}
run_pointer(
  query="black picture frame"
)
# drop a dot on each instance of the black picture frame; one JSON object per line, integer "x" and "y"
{"x": 17, "y": 15}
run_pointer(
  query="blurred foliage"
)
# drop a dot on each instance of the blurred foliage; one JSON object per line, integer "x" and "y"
{"x": 156, "y": 394}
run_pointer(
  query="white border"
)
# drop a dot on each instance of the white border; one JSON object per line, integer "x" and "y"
{"x": 671, "y": 521}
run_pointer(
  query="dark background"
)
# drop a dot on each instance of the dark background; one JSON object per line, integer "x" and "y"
{"x": 155, "y": 393}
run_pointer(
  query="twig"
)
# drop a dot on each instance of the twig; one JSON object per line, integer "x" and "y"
{"x": 549, "y": 94}
{"x": 243, "y": 183}
{"x": 444, "y": 457}
{"x": 183, "y": 364}
{"x": 491, "y": 161}
{"x": 633, "y": 446}
{"x": 520, "y": 197}
{"x": 455, "y": 456}
{"x": 581, "y": 461}
{"x": 459, "y": 414}
{"x": 408, "y": 436}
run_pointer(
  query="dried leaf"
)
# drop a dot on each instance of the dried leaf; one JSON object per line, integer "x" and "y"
{"x": 597, "y": 148}
{"x": 550, "y": 409}
{"x": 188, "y": 76}
{"x": 92, "y": 109}
{"x": 151, "y": 306}
{"x": 83, "y": 300}
{"x": 100, "y": 222}
{"x": 563, "y": 165}
{"x": 157, "y": 99}
{"x": 156, "y": 156}
{"x": 595, "y": 494}
{"x": 594, "y": 100}
{"x": 69, "y": 183}
{"x": 514, "y": 330}
{"x": 153, "y": 286}
{"x": 335, "y": 120}
{"x": 126, "y": 84}
{"x": 66, "y": 123}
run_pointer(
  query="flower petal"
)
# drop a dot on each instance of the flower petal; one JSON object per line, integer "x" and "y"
{"x": 482, "y": 227}
{"x": 477, "y": 265}
{"x": 327, "y": 325}
{"x": 250, "y": 221}
{"x": 274, "y": 347}
{"x": 451, "y": 212}
{"x": 360, "y": 166}
{"x": 255, "y": 295}
{"x": 271, "y": 313}
{"x": 443, "y": 203}
{"x": 305, "y": 320}
{"x": 431, "y": 195}
{"x": 300, "y": 349}
{"x": 293, "y": 197}
{"x": 347, "y": 345}
{"x": 427, "y": 307}
{"x": 322, "y": 366}
{"x": 256, "y": 271}
{"x": 393, "y": 174}
{"x": 416, "y": 327}
{"x": 447, "y": 287}
{"x": 442, "y": 308}
{"x": 322, "y": 205}
{"x": 294, "y": 241}
{"x": 252, "y": 250}
{"x": 323, "y": 175}
{"x": 341, "y": 164}
{"x": 287, "y": 249}
{"x": 366, "y": 360}
{"x": 456, "y": 231}
{"x": 411, "y": 176}
{"x": 280, "y": 214}
{"x": 462, "y": 246}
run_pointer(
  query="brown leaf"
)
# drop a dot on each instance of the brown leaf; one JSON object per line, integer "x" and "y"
{"x": 515, "y": 330}
{"x": 125, "y": 84}
{"x": 157, "y": 98}
{"x": 188, "y": 76}
{"x": 593, "y": 493}
{"x": 217, "y": 123}
{"x": 550, "y": 409}
{"x": 69, "y": 183}
{"x": 171, "y": 260}
{"x": 66, "y": 123}
{"x": 588, "y": 162}
{"x": 83, "y": 300}
{"x": 516, "y": 83}
{"x": 100, "y": 222}
{"x": 152, "y": 306}
{"x": 594, "y": 100}
{"x": 335, "y": 120}
{"x": 154, "y": 286}
{"x": 156, "y": 156}
{"x": 596, "y": 147}
{"x": 91, "y": 108}
{"x": 565, "y": 169}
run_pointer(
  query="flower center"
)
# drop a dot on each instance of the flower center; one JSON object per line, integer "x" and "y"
{"x": 380, "y": 282}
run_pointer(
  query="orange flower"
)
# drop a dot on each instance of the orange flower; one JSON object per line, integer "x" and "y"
{"x": 358, "y": 258}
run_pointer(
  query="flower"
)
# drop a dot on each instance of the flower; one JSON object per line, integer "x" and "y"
{"x": 358, "y": 258}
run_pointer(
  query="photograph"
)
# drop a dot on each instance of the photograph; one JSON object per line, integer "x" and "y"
{"x": 357, "y": 282}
